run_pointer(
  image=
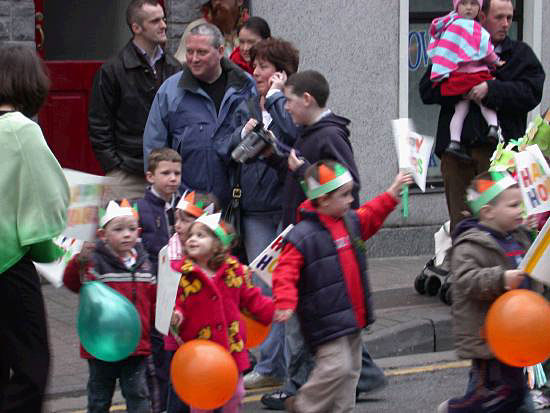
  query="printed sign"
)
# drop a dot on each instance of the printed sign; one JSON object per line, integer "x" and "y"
{"x": 264, "y": 264}
{"x": 537, "y": 260}
{"x": 533, "y": 176}
{"x": 413, "y": 150}
{"x": 53, "y": 271}
{"x": 167, "y": 288}
{"x": 87, "y": 194}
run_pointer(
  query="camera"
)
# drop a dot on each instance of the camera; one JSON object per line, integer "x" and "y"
{"x": 253, "y": 144}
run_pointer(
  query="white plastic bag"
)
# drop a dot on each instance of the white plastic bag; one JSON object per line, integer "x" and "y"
{"x": 443, "y": 242}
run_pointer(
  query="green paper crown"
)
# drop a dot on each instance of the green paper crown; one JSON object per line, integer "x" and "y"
{"x": 477, "y": 198}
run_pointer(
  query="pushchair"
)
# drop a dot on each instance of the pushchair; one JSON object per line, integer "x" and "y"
{"x": 433, "y": 279}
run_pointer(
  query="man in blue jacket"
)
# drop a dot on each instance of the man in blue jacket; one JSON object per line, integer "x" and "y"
{"x": 196, "y": 111}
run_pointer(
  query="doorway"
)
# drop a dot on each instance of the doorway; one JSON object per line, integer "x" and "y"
{"x": 75, "y": 38}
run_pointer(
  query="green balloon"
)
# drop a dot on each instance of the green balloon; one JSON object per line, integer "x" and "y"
{"x": 108, "y": 323}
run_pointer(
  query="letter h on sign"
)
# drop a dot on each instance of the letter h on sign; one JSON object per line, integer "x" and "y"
{"x": 264, "y": 262}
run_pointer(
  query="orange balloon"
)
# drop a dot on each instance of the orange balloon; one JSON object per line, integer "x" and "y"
{"x": 256, "y": 332}
{"x": 518, "y": 328}
{"x": 204, "y": 374}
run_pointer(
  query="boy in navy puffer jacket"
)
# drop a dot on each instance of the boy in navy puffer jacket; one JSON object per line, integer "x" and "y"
{"x": 322, "y": 276}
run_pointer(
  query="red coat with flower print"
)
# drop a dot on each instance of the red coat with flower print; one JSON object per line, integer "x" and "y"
{"x": 211, "y": 306}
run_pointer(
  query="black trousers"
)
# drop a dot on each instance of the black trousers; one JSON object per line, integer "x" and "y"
{"x": 24, "y": 349}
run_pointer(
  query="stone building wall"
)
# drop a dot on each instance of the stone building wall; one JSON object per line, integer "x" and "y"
{"x": 17, "y": 21}
{"x": 179, "y": 14}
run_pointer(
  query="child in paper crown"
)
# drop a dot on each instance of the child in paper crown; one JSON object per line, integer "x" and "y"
{"x": 120, "y": 262}
{"x": 485, "y": 254}
{"x": 462, "y": 56}
{"x": 214, "y": 288}
{"x": 191, "y": 206}
{"x": 322, "y": 276}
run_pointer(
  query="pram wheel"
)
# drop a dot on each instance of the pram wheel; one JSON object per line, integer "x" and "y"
{"x": 445, "y": 294}
{"x": 420, "y": 283}
{"x": 432, "y": 285}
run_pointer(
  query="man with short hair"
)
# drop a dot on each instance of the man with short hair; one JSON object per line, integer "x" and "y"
{"x": 123, "y": 90}
{"x": 515, "y": 90}
{"x": 196, "y": 111}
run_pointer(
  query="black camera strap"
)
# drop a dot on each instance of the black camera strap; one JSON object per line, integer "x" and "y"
{"x": 253, "y": 105}
{"x": 233, "y": 213}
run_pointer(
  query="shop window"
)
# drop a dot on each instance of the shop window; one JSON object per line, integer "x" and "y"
{"x": 421, "y": 14}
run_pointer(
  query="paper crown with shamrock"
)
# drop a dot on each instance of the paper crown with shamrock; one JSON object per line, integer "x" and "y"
{"x": 194, "y": 208}
{"x": 114, "y": 210}
{"x": 483, "y": 191}
{"x": 214, "y": 222}
{"x": 329, "y": 180}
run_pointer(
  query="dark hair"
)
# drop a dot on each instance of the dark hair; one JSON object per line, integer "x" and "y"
{"x": 280, "y": 53}
{"x": 161, "y": 154}
{"x": 257, "y": 25}
{"x": 312, "y": 82}
{"x": 487, "y": 6}
{"x": 133, "y": 12}
{"x": 220, "y": 252}
{"x": 24, "y": 81}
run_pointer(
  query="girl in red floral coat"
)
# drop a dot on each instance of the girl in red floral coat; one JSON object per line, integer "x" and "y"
{"x": 214, "y": 288}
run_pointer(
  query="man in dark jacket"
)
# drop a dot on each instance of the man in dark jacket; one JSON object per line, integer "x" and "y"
{"x": 197, "y": 111}
{"x": 122, "y": 93}
{"x": 516, "y": 90}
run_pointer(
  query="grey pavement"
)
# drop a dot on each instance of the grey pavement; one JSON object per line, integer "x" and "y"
{"x": 407, "y": 323}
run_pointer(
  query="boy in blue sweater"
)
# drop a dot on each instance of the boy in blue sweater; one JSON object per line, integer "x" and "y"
{"x": 156, "y": 218}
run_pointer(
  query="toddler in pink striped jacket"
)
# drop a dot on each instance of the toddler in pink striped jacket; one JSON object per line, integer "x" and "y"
{"x": 462, "y": 56}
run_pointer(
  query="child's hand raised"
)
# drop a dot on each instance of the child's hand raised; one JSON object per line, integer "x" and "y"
{"x": 281, "y": 316}
{"x": 402, "y": 178}
{"x": 513, "y": 278}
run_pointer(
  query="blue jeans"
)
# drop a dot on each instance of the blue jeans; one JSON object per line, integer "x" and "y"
{"x": 259, "y": 231}
{"x": 158, "y": 372}
{"x": 102, "y": 381}
{"x": 301, "y": 362}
